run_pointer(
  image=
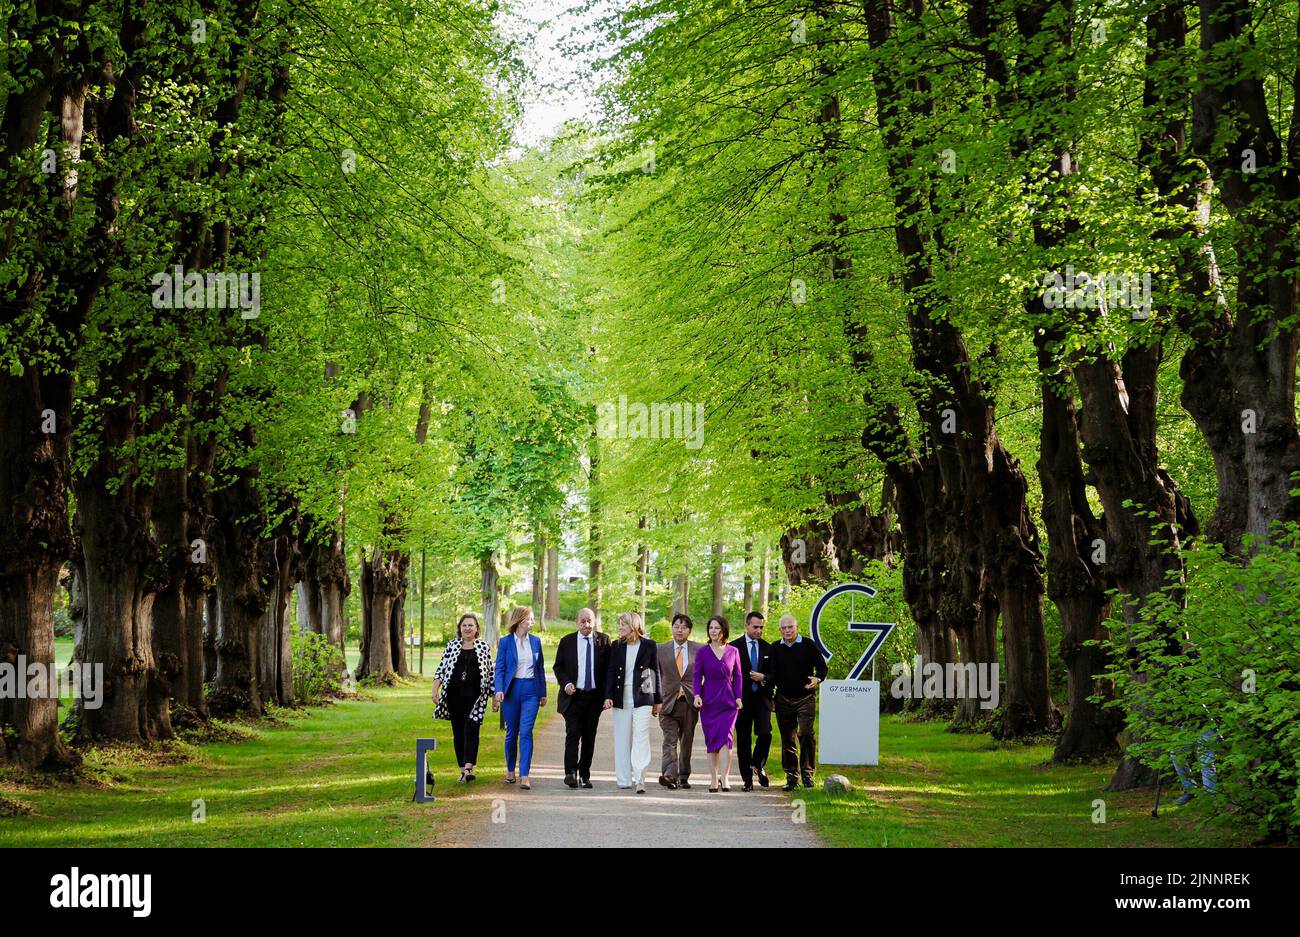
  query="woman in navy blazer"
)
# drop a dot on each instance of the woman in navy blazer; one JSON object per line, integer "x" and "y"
{"x": 520, "y": 689}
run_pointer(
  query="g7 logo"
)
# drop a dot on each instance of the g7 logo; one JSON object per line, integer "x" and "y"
{"x": 881, "y": 629}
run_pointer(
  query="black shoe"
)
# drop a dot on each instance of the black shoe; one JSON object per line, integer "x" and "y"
{"x": 684, "y": 784}
{"x": 586, "y": 784}
{"x": 762, "y": 777}
{"x": 807, "y": 782}
{"x": 790, "y": 786}
{"x": 747, "y": 786}
{"x": 668, "y": 783}
{"x": 570, "y": 780}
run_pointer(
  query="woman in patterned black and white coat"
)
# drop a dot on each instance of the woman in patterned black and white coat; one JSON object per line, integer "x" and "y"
{"x": 462, "y": 686}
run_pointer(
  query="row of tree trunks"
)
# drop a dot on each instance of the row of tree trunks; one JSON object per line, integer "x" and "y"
{"x": 182, "y": 514}
{"x": 65, "y": 274}
{"x": 383, "y": 587}
{"x": 122, "y": 560}
{"x": 1239, "y": 375}
{"x": 324, "y": 585}
{"x": 1136, "y": 546}
{"x": 988, "y": 541}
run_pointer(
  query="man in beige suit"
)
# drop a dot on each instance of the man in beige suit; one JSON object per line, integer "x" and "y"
{"x": 677, "y": 714}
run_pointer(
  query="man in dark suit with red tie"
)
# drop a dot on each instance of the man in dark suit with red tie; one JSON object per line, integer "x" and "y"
{"x": 581, "y": 662}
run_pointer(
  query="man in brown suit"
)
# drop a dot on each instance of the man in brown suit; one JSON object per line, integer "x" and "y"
{"x": 677, "y": 714}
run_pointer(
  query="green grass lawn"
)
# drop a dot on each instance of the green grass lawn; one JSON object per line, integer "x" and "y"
{"x": 335, "y": 775}
{"x": 937, "y": 788}
{"x": 341, "y": 775}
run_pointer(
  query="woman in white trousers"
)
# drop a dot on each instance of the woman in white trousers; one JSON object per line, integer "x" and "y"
{"x": 632, "y": 691}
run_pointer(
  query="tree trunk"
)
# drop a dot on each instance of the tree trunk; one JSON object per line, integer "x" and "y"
{"x": 594, "y": 565}
{"x": 682, "y": 588}
{"x": 211, "y": 633}
{"x": 858, "y": 535}
{"x": 1075, "y": 581}
{"x": 765, "y": 580}
{"x": 397, "y": 624}
{"x": 330, "y": 567}
{"x": 383, "y": 577}
{"x": 35, "y": 538}
{"x": 76, "y": 585}
{"x": 553, "y": 582}
{"x": 748, "y": 599}
{"x": 717, "y": 578}
{"x": 275, "y": 657}
{"x": 1239, "y": 375}
{"x": 177, "y": 667}
{"x": 808, "y": 553}
{"x": 491, "y": 595}
{"x": 245, "y": 573}
{"x": 181, "y": 516}
{"x": 120, "y": 594}
{"x": 307, "y": 591}
{"x": 539, "y": 573}
{"x": 642, "y": 577}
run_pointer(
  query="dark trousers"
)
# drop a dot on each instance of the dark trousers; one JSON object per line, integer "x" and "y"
{"x": 581, "y": 719}
{"x": 754, "y": 717}
{"x": 464, "y": 730}
{"x": 794, "y": 720}
{"x": 679, "y": 737}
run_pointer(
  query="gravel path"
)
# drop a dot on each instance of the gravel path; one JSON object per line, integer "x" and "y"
{"x": 552, "y": 814}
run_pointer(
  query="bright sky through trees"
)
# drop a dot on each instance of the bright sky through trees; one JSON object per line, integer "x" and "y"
{"x": 561, "y": 81}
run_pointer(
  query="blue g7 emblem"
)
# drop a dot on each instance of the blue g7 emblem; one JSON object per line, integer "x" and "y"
{"x": 881, "y": 629}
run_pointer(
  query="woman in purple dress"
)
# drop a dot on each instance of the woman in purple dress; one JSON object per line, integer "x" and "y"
{"x": 718, "y": 684}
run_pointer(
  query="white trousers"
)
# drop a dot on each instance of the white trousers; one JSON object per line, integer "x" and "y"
{"x": 631, "y": 744}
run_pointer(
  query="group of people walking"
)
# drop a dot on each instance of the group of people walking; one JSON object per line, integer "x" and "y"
{"x": 728, "y": 689}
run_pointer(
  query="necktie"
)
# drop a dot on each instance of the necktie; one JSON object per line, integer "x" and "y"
{"x": 587, "y": 677}
{"x": 680, "y": 668}
{"x": 753, "y": 662}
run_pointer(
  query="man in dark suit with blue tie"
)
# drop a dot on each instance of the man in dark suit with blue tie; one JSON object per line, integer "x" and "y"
{"x": 581, "y": 662}
{"x": 755, "y": 703}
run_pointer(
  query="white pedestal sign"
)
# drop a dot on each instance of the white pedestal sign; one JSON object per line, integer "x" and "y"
{"x": 849, "y": 729}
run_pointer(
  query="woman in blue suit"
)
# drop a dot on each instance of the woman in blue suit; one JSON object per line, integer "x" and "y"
{"x": 520, "y": 689}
